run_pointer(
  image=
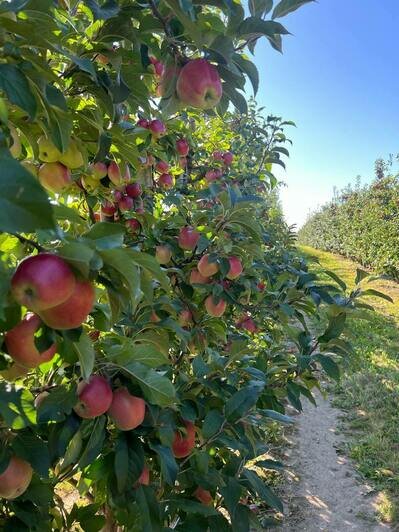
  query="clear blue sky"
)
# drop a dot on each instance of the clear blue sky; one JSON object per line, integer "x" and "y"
{"x": 338, "y": 79}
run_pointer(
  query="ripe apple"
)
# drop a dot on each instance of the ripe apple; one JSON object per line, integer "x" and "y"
{"x": 207, "y": 268}
{"x": 48, "y": 152}
{"x": 133, "y": 225}
{"x": 197, "y": 278}
{"x": 126, "y": 410}
{"x": 212, "y": 175}
{"x": 126, "y": 204}
{"x": 235, "y": 268}
{"x": 143, "y": 122}
{"x": 74, "y": 311}
{"x": 15, "y": 479}
{"x": 117, "y": 194}
{"x": 114, "y": 173}
{"x": 157, "y": 128}
{"x": 228, "y": 158}
{"x": 247, "y": 323}
{"x": 72, "y": 156}
{"x": 54, "y": 176}
{"x": 99, "y": 170}
{"x": 144, "y": 478}
{"x": 108, "y": 208}
{"x": 163, "y": 254}
{"x": 42, "y": 281}
{"x": 162, "y": 167}
{"x": 166, "y": 181}
{"x": 199, "y": 84}
{"x": 188, "y": 238}
{"x": 203, "y": 496}
{"x": 217, "y": 155}
{"x": 261, "y": 286}
{"x": 157, "y": 66}
{"x": 95, "y": 397}
{"x": 183, "y": 444}
{"x": 182, "y": 147}
{"x": 185, "y": 318}
{"x": 20, "y": 343}
{"x": 215, "y": 309}
{"x": 134, "y": 190}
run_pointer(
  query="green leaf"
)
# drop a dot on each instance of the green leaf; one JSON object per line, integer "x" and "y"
{"x": 259, "y": 8}
{"x": 108, "y": 9}
{"x": 148, "y": 262}
{"x": 95, "y": 442}
{"x": 167, "y": 461}
{"x": 32, "y": 448}
{"x": 277, "y": 416}
{"x": 242, "y": 401}
{"x": 329, "y": 365}
{"x": 16, "y": 406}
{"x": 336, "y": 278}
{"x": 79, "y": 255}
{"x": 212, "y": 423}
{"x": 62, "y": 212}
{"x": 24, "y": 205}
{"x": 262, "y": 490}
{"x": 360, "y": 275}
{"x": 192, "y": 507}
{"x": 57, "y": 404}
{"x": 15, "y": 84}
{"x": 256, "y": 26}
{"x": 376, "y": 293}
{"x": 121, "y": 461}
{"x": 85, "y": 351}
{"x": 236, "y": 98}
{"x": 156, "y": 388}
{"x": 106, "y": 235}
{"x": 288, "y": 6}
{"x": 129, "y": 351}
{"x": 335, "y": 327}
{"x": 249, "y": 68}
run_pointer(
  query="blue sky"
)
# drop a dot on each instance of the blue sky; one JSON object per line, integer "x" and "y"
{"x": 338, "y": 79}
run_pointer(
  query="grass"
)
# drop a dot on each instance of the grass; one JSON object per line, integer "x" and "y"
{"x": 369, "y": 389}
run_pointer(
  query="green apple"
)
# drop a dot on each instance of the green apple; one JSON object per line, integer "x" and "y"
{"x": 48, "y": 152}
{"x": 72, "y": 157}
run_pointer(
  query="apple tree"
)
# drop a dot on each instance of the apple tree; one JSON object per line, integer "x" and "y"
{"x": 153, "y": 311}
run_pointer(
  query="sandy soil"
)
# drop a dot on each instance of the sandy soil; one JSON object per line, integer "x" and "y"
{"x": 323, "y": 491}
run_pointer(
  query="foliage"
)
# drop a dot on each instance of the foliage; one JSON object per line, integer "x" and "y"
{"x": 360, "y": 223}
{"x": 78, "y": 87}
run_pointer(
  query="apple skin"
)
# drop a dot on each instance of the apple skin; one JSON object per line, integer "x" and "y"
{"x": 126, "y": 410}
{"x": 133, "y": 225}
{"x": 74, "y": 311}
{"x": 199, "y": 84}
{"x": 72, "y": 157}
{"x": 95, "y": 397}
{"x": 235, "y": 268}
{"x": 213, "y": 309}
{"x": 20, "y": 342}
{"x": 182, "y": 147}
{"x": 162, "y": 167}
{"x": 144, "y": 478}
{"x": 197, "y": 278}
{"x": 188, "y": 238}
{"x": 261, "y": 286}
{"x": 207, "y": 268}
{"x": 183, "y": 444}
{"x": 143, "y": 122}
{"x": 212, "y": 175}
{"x": 108, "y": 208}
{"x": 217, "y": 155}
{"x": 99, "y": 170}
{"x": 203, "y": 496}
{"x": 166, "y": 181}
{"x": 48, "y": 152}
{"x": 42, "y": 281}
{"x": 54, "y": 177}
{"x": 228, "y": 158}
{"x": 126, "y": 204}
{"x": 163, "y": 254}
{"x": 247, "y": 323}
{"x": 15, "y": 479}
{"x": 157, "y": 128}
{"x": 134, "y": 190}
{"x": 114, "y": 174}
{"x": 185, "y": 318}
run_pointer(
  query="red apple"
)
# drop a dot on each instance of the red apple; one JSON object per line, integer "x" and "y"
{"x": 188, "y": 238}
{"x": 126, "y": 204}
{"x": 162, "y": 167}
{"x": 54, "y": 176}
{"x": 118, "y": 195}
{"x": 42, "y": 281}
{"x": 228, "y": 158}
{"x": 197, "y": 278}
{"x": 99, "y": 170}
{"x": 20, "y": 342}
{"x": 134, "y": 190}
{"x": 235, "y": 268}
{"x": 143, "y": 122}
{"x": 126, "y": 410}
{"x": 206, "y": 267}
{"x": 199, "y": 84}
{"x": 166, "y": 181}
{"x": 159, "y": 68}
{"x": 95, "y": 397}
{"x": 261, "y": 286}
{"x": 154, "y": 318}
{"x": 163, "y": 254}
{"x": 108, "y": 208}
{"x": 144, "y": 478}
{"x": 215, "y": 309}
{"x": 247, "y": 323}
{"x": 203, "y": 496}
{"x": 74, "y": 311}
{"x": 133, "y": 225}
{"x": 115, "y": 174}
{"x": 182, "y": 147}
{"x": 157, "y": 128}
{"x": 212, "y": 175}
{"x": 183, "y": 444}
{"x": 217, "y": 155}
{"x": 185, "y": 318}
{"x": 15, "y": 479}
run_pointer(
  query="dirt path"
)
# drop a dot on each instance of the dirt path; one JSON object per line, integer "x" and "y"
{"x": 323, "y": 493}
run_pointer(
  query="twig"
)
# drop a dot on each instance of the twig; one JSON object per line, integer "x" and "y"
{"x": 28, "y": 241}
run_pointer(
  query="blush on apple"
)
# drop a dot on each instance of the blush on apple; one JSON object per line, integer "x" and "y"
{"x": 95, "y": 397}
{"x": 215, "y": 309}
{"x": 188, "y": 238}
{"x": 127, "y": 411}
{"x": 15, "y": 479}
{"x": 206, "y": 267}
{"x": 199, "y": 84}
{"x": 183, "y": 443}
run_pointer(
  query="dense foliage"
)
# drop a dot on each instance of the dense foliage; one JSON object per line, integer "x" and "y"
{"x": 168, "y": 309}
{"x": 361, "y": 223}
